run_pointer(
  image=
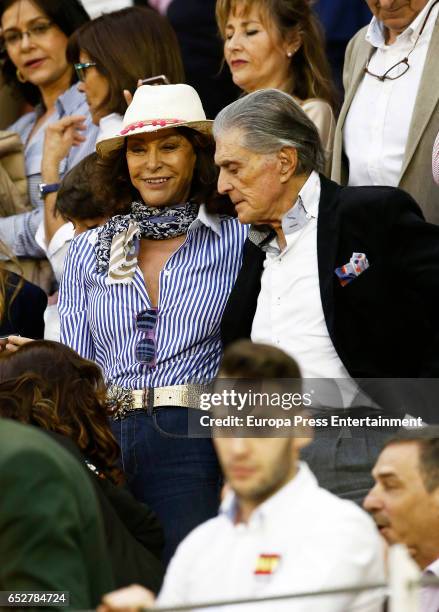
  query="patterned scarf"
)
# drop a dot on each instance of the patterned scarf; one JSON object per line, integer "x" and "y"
{"x": 117, "y": 242}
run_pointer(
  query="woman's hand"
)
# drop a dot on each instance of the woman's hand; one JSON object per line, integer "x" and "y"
{"x": 60, "y": 137}
{"x": 128, "y": 95}
{"x": 13, "y": 343}
{"x": 129, "y": 599}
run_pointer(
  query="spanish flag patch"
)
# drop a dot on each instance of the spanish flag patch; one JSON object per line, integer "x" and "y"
{"x": 266, "y": 564}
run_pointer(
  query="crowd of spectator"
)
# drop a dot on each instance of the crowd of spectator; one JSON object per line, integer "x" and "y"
{"x": 200, "y": 195}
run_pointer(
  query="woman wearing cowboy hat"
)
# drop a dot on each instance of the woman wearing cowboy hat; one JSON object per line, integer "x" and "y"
{"x": 143, "y": 296}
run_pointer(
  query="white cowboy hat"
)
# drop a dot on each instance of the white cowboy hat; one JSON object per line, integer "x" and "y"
{"x": 157, "y": 107}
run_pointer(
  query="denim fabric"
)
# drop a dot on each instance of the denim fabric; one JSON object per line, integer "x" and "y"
{"x": 178, "y": 477}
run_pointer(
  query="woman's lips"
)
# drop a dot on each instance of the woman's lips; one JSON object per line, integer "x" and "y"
{"x": 35, "y": 63}
{"x": 238, "y": 63}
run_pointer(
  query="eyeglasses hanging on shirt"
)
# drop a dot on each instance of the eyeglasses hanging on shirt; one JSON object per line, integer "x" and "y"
{"x": 405, "y": 61}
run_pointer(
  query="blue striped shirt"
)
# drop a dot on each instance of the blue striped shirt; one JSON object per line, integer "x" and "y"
{"x": 99, "y": 320}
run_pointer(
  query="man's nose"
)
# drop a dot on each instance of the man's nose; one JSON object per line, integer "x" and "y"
{"x": 372, "y": 501}
{"x": 224, "y": 185}
{"x": 239, "y": 446}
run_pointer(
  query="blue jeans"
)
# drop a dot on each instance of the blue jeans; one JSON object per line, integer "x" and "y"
{"x": 178, "y": 477}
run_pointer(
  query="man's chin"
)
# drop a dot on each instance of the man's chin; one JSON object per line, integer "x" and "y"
{"x": 244, "y": 218}
{"x": 387, "y": 533}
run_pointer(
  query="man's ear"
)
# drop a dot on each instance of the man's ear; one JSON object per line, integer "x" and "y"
{"x": 288, "y": 160}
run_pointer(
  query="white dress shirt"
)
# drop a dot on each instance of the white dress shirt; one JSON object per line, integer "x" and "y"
{"x": 289, "y": 311}
{"x": 430, "y": 594}
{"x": 320, "y": 542}
{"x": 378, "y": 122}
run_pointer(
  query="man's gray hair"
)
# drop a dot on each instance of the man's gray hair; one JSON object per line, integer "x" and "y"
{"x": 270, "y": 120}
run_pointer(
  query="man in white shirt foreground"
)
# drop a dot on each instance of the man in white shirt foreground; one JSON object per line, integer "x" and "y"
{"x": 405, "y": 500}
{"x": 277, "y": 532}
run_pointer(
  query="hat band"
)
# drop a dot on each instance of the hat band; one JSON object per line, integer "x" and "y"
{"x": 153, "y": 122}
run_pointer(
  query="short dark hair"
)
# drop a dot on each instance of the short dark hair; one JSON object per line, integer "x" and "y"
{"x": 77, "y": 198}
{"x": 252, "y": 360}
{"x": 112, "y": 181}
{"x": 127, "y": 45}
{"x": 68, "y": 15}
{"x": 427, "y": 439}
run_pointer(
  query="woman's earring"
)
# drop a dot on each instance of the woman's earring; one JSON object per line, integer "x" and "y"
{"x": 289, "y": 54}
{"x": 20, "y": 77}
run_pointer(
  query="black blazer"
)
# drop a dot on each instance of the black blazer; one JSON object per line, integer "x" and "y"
{"x": 385, "y": 322}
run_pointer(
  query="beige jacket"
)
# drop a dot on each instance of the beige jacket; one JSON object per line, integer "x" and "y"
{"x": 320, "y": 113}
{"x": 13, "y": 181}
{"x": 416, "y": 176}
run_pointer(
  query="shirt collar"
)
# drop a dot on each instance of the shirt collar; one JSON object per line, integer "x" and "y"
{"x": 69, "y": 102}
{"x": 307, "y": 200}
{"x": 212, "y": 221}
{"x": 375, "y": 34}
{"x": 109, "y": 126}
{"x": 297, "y": 489}
{"x": 433, "y": 567}
{"x": 310, "y": 195}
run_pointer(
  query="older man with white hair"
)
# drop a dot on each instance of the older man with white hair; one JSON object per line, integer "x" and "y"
{"x": 344, "y": 279}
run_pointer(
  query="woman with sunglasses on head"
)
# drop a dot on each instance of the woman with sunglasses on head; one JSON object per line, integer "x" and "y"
{"x": 34, "y": 39}
{"x": 143, "y": 296}
{"x": 279, "y": 44}
{"x": 110, "y": 54}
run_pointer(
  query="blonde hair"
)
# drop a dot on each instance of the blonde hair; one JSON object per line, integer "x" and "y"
{"x": 309, "y": 66}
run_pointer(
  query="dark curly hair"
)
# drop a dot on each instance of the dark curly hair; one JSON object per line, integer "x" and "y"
{"x": 48, "y": 385}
